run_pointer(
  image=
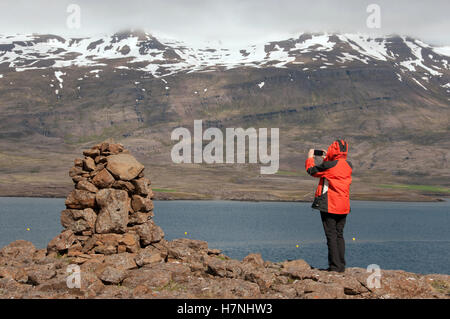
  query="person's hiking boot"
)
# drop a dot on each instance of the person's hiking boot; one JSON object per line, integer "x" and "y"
{"x": 329, "y": 269}
{"x": 336, "y": 270}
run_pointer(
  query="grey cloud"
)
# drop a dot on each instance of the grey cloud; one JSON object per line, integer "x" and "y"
{"x": 229, "y": 20}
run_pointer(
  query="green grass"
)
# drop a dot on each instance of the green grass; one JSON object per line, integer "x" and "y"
{"x": 424, "y": 188}
{"x": 291, "y": 280}
{"x": 441, "y": 286}
{"x": 171, "y": 286}
{"x": 289, "y": 173}
{"x": 163, "y": 190}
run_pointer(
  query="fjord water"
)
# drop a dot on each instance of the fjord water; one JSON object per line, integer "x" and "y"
{"x": 410, "y": 236}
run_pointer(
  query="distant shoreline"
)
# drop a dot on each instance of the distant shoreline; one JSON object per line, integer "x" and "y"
{"x": 164, "y": 198}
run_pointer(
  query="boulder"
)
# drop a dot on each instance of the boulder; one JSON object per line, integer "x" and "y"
{"x": 137, "y": 218}
{"x": 100, "y": 160}
{"x": 89, "y": 164}
{"x": 130, "y": 241}
{"x": 80, "y": 199}
{"x": 148, "y": 255}
{"x": 76, "y": 171}
{"x": 141, "y": 204}
{"x": 310, "y": 289}
{"x": 129, "y": 187}
{"x": 148, "y": 233}
{"x": 115, "y": 148}
{"x": 79, "y": 220}
{"x": 191, "y": 243}
{"x": 223, "y": 268}
{"x": 61, "y": 242}
{"x": 262, "y": 278}
{"x": 104, "y": 147}
{"x": 19, "y": 250}
{"x": 97, "y": 169}
{"x": 111, "y": 275}
{"x": 254, "y": 259}
{"x": 106, "y": 249}
{"x": 78, "y": 162}
{"x": 113, "y": 215}
{"x": 93, "y": 152}
{"x": 142, "y": 186}
{"x": 124, "y": 166}
{"x": 91, "y": 284}
{"x": 296, "y": 268}
{"x": 103, "y": 179}
{"x": 84, "y": 185}
{"x": 39, "y": 274}
{"x": 121, "y": 261}
{"x": 151, "y": 278}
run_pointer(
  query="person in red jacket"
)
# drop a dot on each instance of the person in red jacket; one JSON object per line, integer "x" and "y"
{"x": 332, "y": 198}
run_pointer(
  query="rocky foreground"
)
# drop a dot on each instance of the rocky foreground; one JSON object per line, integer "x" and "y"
{"x": 111, "y": 248}
{"x": 185, "y": 268}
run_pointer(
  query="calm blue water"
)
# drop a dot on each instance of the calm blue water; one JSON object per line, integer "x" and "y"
{"x": 410, "y": 236}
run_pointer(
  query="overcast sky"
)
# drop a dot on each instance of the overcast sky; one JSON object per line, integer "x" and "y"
{"x": 235, "y": 21}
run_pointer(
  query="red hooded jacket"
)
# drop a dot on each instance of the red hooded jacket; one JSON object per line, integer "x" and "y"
{"x": 333, "y": 192}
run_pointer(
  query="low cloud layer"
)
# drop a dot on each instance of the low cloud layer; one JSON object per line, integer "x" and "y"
{"x": 231, "y": 21}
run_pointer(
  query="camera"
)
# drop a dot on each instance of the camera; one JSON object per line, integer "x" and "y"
{"x": 318, "y": 153}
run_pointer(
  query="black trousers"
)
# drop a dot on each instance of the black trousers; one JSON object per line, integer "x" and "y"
{"x": 333, "y": 225}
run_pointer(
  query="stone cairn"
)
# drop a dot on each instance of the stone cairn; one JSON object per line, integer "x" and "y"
{"x": 110, "y": 210}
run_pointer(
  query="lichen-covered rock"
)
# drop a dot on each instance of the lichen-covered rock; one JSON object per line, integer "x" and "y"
{"x": 310, "y": 289}
{"x": 19, "y": 250}
{"x": 254, "y": 259}
{"x": 142, "y": 186}
{"x": 103, "y": 179}
{"x": 93, "y": 152}
{"x": 151, "y": 278}
{"x": 296, "y": 268}
{"x": 121, "y": 261}
{"x": 39, "y": 274}
{"x": 136, "y": 218}
{"x": 112, "y": 275}
{"x": 148, "y": 255}
{"x": 113, "y": 215}
{"x": 79, "y": 220}
{"x": 129, "y": 187}
{"x": 61, "y": 242}
{"x": 80, "y": 199}
{"x": 84, "y": 185}
{"x": 89, "y": 164}
{"x": 124, "y": 166}
{"x": 141, "y": 204}
{"x": 149, "y": 233}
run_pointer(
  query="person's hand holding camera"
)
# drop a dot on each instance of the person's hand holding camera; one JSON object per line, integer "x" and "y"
{"x": 312, "y": 152}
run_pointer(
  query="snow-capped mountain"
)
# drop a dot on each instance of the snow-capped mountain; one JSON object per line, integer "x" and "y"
{"x": 161, "y": 57}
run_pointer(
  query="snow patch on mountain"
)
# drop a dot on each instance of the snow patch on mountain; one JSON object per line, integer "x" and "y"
{"x": 58, "y": 75}
{"x": 316, "y": 43}
{"x": 161, "y": 56}
{"x": 420, "y": 84}
{"x": 419, "y": 61}
{"x": 374, "y": 48}
{"x": 442, "y": 50}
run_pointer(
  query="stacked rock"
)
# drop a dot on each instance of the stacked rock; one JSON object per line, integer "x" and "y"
{"x": 110, "y": 210}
